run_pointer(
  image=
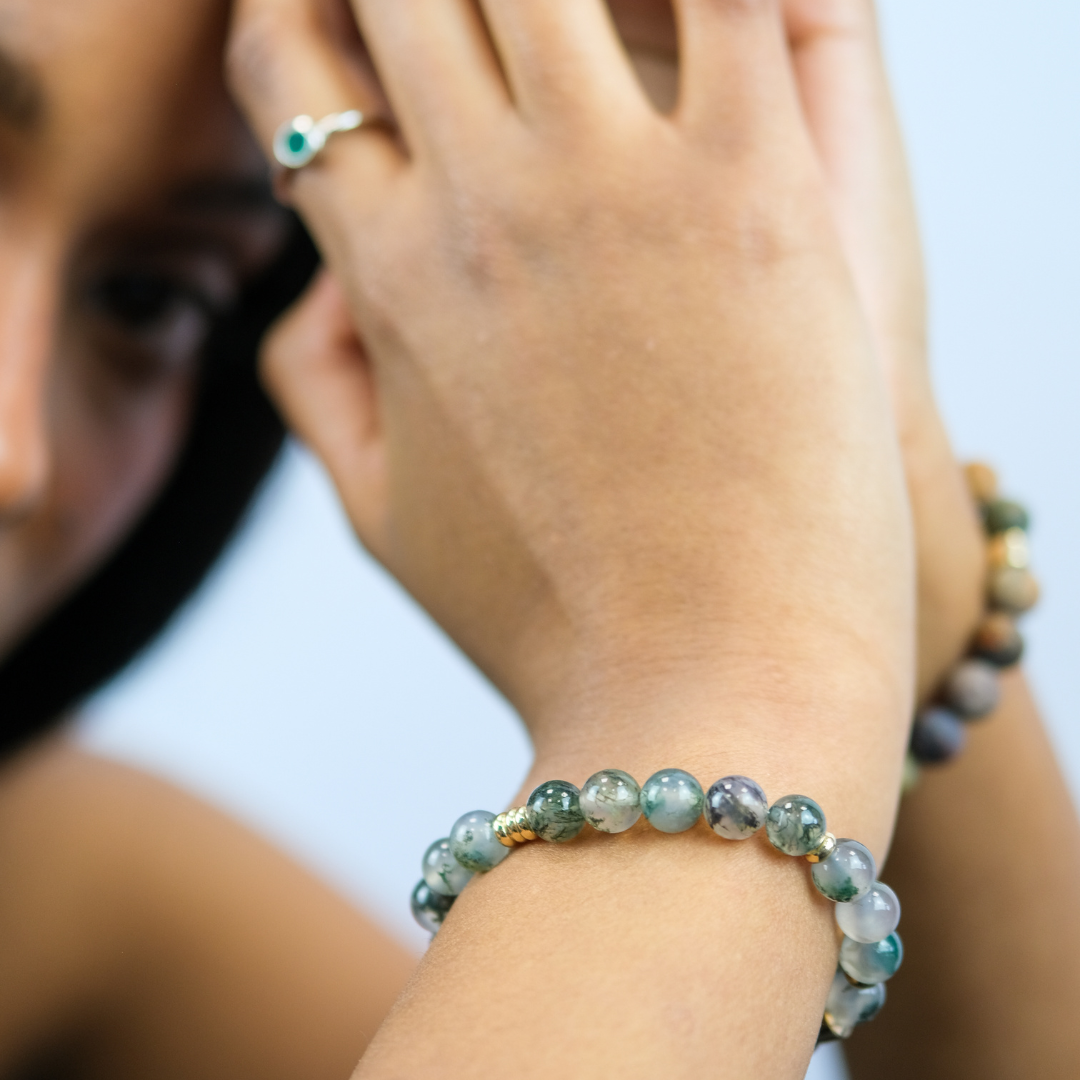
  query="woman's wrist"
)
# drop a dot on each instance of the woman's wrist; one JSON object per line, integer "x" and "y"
{"x": 950, "y": 551}
{"x": 840, "y": 731}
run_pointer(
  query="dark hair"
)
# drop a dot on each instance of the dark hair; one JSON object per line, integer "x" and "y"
{"x": 234, "y": 439}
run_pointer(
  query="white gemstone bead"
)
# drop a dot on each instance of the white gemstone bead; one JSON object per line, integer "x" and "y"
{"x": 848, "y": 1006}
{"x": 474, "y": 844}
{"x": 736, "y": 807}
{"x": 611, "y": 801}
{"x": 442, "y": 872}
{"x": 872, "y": 917}
{"x": 847, "y": 874}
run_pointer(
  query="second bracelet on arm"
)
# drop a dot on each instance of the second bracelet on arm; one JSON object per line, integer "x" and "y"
{"x": 971, "y": 690}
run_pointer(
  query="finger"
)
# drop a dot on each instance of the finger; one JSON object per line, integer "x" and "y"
{"x": 284, "y": 60}
{"x": 844, "y": 90}
{"x": 315, "y": 368}
{"x": 437, "y": 64}
{"x": 736, "y": 78}
{"x": 564, "y": 57}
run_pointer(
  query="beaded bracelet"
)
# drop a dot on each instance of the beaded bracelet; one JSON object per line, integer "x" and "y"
{"x": 972, "y": 690}
{"x": 735, "y": 808}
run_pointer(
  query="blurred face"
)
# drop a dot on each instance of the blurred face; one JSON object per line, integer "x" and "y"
{"x": 133, "y": 206}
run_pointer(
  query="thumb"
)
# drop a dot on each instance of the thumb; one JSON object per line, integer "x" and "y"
{"x": 317, "y": 371}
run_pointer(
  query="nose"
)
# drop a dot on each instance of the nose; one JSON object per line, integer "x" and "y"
{"x": 27, "y": 317}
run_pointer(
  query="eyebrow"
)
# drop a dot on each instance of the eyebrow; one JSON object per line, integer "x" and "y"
{"x": 22, "y": 97}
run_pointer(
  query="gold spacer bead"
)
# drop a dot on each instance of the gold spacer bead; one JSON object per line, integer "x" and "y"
{"x": 521, "y": 824}
{"x": 501, "y": 831}
{"x": 823, "y": 850}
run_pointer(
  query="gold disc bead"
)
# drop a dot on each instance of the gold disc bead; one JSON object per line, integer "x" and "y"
{"x": 521, "y": 824}
{"x": 823, "y": 850}
{"x": 502, "y": 831}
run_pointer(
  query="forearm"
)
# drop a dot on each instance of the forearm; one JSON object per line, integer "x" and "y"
{"x": 987, "y": 861}
{"x": 645, "y": 954}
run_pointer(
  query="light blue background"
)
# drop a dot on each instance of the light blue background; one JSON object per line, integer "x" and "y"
{"x": 301, "y": 688}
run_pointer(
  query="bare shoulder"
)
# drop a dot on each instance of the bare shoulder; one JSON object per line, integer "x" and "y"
{"x": 147, "y": 933}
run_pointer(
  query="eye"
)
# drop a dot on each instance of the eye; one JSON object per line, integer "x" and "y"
{"x": 143, "y": 301}
{"x": 152, "y": 322}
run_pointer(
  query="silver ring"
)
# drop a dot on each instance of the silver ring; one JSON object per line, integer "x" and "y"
{"x": 298, "y": 141}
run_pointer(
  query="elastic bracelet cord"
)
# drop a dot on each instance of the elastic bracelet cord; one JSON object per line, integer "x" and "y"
{"x": 735, "y": 808}
{"x": 972, "y": 690}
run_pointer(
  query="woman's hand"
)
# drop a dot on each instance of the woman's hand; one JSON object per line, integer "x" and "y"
{"x": 611, "y": 411}
{"x": 597, "y": 386}
{"x": 848, "y": 105}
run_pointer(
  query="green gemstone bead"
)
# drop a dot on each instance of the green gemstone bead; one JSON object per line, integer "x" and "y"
{"x": 611, "y": 801}
{"x": 672, "y": 800}
{"x": 796, "y": 825}
{"x": 474, "y": 844}
{"x": 848, "y": 1006}
{"x": 874, "y": 963}
{"x": 1003, "y": 514}
{"x": 554, "y": 812}
{"x": 848, "y": 872}
{"x": 430, "y": 908}
{"x": 443, "y": 873}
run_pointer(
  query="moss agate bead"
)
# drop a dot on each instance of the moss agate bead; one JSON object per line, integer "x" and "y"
{"x": 1004, "y": 514}
{"x": 554, "y": 812}
{"x": 442, "y": 871}
{"x": 672, "y": 800}
{"x": 847, "y": 874}
{"x": 429, "y": 908}
{"x": 874, "y": 963}
{"x": 973, "y": 689}
{"x": 848, "y": 1006}
{"x": 938, "y": 736}
{"x": 872, "y": 917}
{"x": 611, "y": 801}
{"x": 796, "y": 825}
{"x": 735, "y": 808}
{"x": 474, "y": 844}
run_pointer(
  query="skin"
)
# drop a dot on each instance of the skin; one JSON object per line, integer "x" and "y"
{"x": 118, "y": 947}
{"x": 142, "y": 933}
{"x": 337, "y": 377}
{"x": 109, "y": 274}
{"x": 991, "y": 975}
{"x": 145, "y": 934}
{"x": 501, "y": 385}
